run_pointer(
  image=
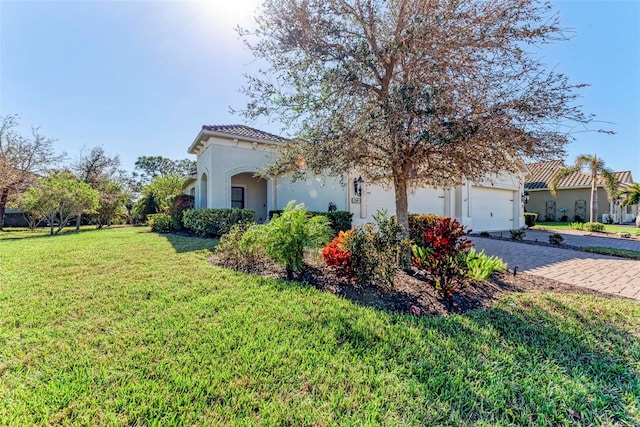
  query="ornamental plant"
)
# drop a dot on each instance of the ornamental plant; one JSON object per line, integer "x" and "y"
{"x": 443, "y": 256}
{"x": 376, "y": 250}
{"x": 289, "y": 234}
{"x": 335, "y": 254}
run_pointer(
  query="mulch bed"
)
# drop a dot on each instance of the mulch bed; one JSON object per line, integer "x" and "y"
{"x": 412, "y": 291}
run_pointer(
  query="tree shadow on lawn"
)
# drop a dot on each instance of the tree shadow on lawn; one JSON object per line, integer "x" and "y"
{"x": 528, "y": 363}
{"x": 185, "y": 242}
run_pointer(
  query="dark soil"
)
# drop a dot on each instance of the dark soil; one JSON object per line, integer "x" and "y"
{"x": 411, "y": 293}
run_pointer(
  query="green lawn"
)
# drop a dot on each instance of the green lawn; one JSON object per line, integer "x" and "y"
{"x": 608, "y": 228}
{"x": 126, "y": 327}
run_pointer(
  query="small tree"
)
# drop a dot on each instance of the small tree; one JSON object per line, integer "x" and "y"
{"x": 598, "y": 172}
{"x": 112, "y": 199}
{"x": 95, "y": 168}
{"x": 160, "y": 193}
{"x": 22, "y": 159}
{"x": 59, "y": 197}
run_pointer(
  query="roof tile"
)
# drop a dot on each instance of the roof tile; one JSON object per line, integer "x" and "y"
{"x": 542, "y": 172}
{"x": 243, "y": 131}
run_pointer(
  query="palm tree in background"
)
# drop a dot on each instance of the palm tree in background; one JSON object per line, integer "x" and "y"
{"x": 632, "y": 197}
{"x": 596, "y": 168}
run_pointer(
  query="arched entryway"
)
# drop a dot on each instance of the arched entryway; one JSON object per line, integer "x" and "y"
{"x": 250, "y": 192}
{"x": 203, "y": 191}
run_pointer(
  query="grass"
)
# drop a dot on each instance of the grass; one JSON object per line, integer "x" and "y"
{"x": 126, "y": 327}
{"x": 608, "y": 228}
{"x": 624, "y": 253}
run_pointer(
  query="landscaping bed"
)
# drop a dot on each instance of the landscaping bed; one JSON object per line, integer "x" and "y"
{"x": 411, "y": 290}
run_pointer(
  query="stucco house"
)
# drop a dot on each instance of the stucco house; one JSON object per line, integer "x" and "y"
{"x": 574, "y": 195}
{"x": 229, "y": 157}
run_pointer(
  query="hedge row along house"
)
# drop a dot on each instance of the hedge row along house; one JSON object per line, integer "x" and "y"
{"x": 231, "y": 159}
{"x": 574, "y": 195}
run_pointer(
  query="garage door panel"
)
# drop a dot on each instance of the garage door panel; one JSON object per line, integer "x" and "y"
{"x": 492, "y": 209}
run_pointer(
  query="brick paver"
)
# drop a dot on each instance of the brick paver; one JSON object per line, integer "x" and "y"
{"x": 603, "y": 273}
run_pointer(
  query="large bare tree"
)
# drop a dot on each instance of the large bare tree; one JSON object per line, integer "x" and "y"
{"x": 411, "y": 93}
{"x": 22, "y": 160}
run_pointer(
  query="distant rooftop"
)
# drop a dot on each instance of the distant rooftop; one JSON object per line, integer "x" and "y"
{"x": 243, "y": 132}
{"x": 542, "y": 172}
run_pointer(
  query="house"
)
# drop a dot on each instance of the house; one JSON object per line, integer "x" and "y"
{"x": 230, "y": 157}
{"x": 574, "y": 195}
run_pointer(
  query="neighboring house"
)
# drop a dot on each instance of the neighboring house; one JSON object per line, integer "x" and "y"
{"x": 229, "y": 158}
{"x": 14, "y": 218}
{"x": 574, "y": 195}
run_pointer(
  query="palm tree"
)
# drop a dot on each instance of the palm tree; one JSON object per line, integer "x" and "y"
{"x": 632, "y": 197}
{"x": 597, "y": 169}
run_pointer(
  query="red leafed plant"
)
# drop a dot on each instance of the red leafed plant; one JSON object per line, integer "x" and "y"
{"x": 335, "y": 253}
{"x": 442, "y": 255}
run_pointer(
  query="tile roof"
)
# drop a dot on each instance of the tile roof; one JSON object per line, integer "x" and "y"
{"x": 243, "y": 131}
{"x": 542, "y": 172}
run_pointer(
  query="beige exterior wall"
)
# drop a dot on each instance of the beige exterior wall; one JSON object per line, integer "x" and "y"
{"x": 566, "y": 198}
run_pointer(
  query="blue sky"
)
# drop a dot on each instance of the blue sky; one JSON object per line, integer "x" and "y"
{"x": 141, "y": 77}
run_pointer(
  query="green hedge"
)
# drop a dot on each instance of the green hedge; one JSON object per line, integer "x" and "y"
{"x": 215, "y": 222}
{"x": 530, "y": 218}
{"x": 338, "y": 220}
{"x": 594, "y": 226}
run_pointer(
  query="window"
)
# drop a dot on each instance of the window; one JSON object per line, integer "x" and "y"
{"x": 237, "y": 197}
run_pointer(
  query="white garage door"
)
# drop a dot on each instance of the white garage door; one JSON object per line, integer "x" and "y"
{"x": 491, "y": 209}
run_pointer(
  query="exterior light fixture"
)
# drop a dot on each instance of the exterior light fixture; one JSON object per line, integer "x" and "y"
{"x": 524, "y": 198}
{"x": 357, "y": 186}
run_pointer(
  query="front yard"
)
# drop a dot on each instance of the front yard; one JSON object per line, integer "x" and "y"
{"x": 608, "y": 228}
{"x": 123, "y": 326}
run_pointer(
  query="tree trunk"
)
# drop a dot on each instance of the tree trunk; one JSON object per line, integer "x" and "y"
{"x": 594, "y": 200}
{"x": 402, "y": 213}
{"x": 4, "y": 194}
{"x": 78, "y": 220}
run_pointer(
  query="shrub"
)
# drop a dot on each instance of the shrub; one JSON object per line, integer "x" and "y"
{"x": 289, "y": 234}
{"x": 338, "y": 220}
{"x": 578, "y": 218}
{"x": 242, "y": 248}
{"x": 530, "y": 218}
{"x": 444, "y": 257}
{"x": 517, "y": 234}
{"x": 481, "y": 266}
{"x": 335, "y": 254}
{"x": 180, "y": 204}
{"x": 419, "y": 224}
{"x": 594, "y": 226}
{"x": 564, "y": 218}
{"x": 484, "y": 234}
{"x": 376, "y": 250}
{"x": 160, "y": 223}
{"x": 577, "y": 225}
{"x": 215, "y": 222}
{"x": 556, "y": 239}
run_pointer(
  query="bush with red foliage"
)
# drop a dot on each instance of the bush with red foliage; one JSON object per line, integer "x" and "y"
{"x": 442, "y": 254}
{"x": 335, "y": 253}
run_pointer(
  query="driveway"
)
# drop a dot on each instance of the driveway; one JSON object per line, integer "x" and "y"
{"x": 600, "y": 272}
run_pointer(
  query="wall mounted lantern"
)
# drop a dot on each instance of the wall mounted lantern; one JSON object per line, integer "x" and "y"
{"x": 525, "y": 198}
{"x": 357, "y": 186}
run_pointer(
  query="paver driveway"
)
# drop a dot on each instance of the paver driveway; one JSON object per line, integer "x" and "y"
{"x": 600, "y": 272}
